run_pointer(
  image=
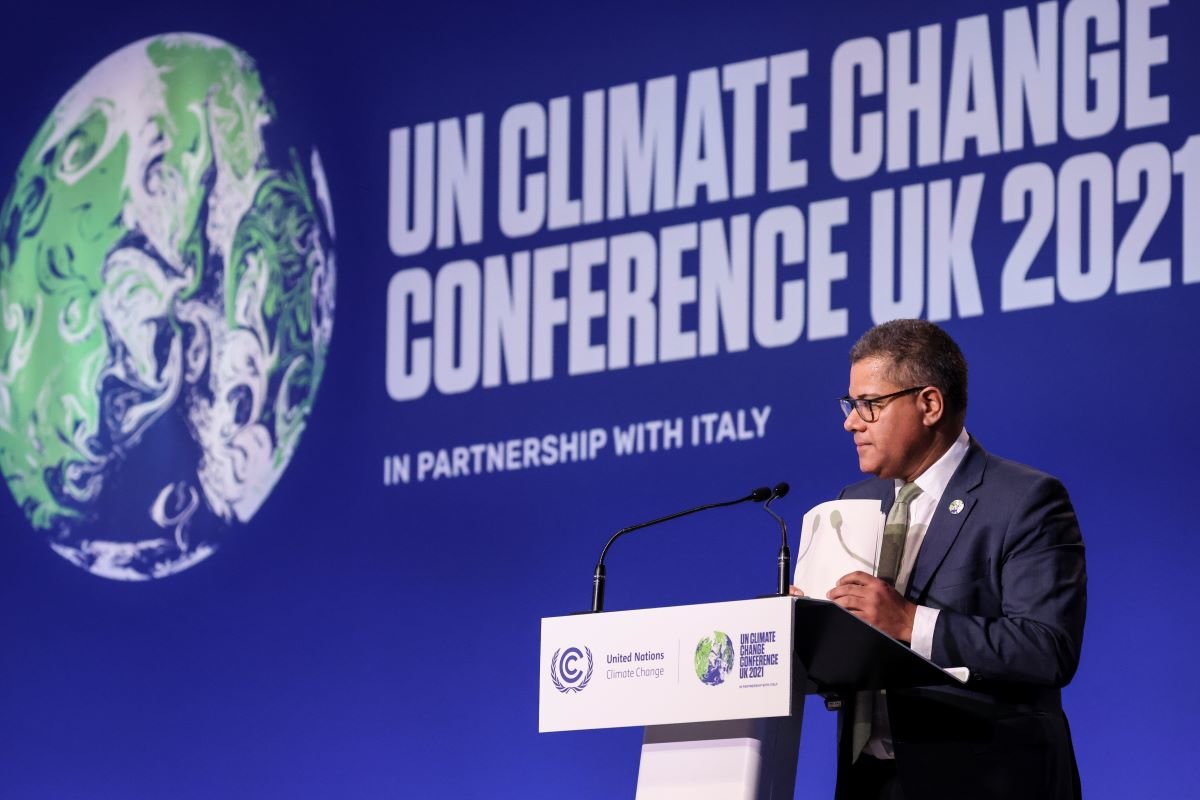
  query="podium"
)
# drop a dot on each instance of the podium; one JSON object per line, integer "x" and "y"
{"x": 719, "y": 687}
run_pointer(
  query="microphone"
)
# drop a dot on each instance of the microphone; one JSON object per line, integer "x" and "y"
{"x": 785, "y": 554}
{"x": 598, "y": 577}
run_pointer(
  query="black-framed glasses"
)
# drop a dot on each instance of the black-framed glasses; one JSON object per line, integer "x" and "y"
{"x": 865, "y": 406}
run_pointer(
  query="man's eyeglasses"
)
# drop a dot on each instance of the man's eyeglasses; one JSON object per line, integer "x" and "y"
{"x": 866, "y": 406}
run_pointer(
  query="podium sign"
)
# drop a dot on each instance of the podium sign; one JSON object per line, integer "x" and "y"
{"x": 658, "y": 666}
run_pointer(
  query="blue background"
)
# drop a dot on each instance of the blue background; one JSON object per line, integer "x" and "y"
{"x": 357, "y": 640}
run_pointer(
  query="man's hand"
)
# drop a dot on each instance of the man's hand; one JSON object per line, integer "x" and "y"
{"x": 876, "y": 603}
{"x": 794, "y": 591}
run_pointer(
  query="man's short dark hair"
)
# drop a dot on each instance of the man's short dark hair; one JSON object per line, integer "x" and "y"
{"x": 921, "y": 354}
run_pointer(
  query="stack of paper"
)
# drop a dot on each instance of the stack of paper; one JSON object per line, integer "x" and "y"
{"x": 837, "y": 538}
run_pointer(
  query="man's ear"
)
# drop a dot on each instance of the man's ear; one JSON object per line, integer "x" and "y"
{"x": 932, "y": 405}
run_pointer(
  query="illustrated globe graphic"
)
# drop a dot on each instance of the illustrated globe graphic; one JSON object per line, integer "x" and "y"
{"x": 714, "y": 658}
{"x": 166, "y": 304}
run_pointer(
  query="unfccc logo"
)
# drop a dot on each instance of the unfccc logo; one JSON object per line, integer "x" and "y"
{"x": 566, "y": 672}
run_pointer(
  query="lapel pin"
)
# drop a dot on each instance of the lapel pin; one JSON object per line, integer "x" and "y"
{"x": 956, "y": 506}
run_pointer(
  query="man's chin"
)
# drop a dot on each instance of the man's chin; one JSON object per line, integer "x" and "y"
{"x": 870, "y": 466}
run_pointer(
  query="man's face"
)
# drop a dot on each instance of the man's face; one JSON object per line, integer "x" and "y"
{"x": 896, "y": 443}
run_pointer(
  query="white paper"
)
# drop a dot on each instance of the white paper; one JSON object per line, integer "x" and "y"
{"x": 837, "y": 538}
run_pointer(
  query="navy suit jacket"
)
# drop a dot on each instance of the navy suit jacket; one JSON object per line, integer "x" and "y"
{"x": 1007, "y": 574}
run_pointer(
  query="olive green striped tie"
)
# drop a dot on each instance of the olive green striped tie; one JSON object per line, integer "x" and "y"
{"x": 895, "y": 530}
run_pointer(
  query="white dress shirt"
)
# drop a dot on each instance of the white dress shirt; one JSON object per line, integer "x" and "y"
{"x": 933, "y": 482}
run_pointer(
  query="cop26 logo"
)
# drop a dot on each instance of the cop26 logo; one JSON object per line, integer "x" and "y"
{"x": 166, "y": 306}
{"x": 565, "y": 670}
{"x": 714, "y": 658}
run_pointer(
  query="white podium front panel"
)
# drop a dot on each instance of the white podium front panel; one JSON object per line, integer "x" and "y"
{"x": 661, "y": 666}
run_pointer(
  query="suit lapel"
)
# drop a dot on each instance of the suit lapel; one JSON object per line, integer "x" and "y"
{"x": 944, "y": 527}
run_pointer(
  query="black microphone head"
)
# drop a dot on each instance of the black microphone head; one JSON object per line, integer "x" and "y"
{"x": 760, "y": 494}
{"x": 780, "y": 490}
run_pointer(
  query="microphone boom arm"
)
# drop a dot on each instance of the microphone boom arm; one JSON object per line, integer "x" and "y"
{"x": 785, "y": 553}
{"x": 598, "y": 577}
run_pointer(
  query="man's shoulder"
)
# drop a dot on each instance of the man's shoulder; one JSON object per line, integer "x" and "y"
{"x": 869, "y": 489}
{"x": 1007, "y": 472}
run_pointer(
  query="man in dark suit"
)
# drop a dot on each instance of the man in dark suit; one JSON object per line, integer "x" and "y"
{"x": 987, "y": 572}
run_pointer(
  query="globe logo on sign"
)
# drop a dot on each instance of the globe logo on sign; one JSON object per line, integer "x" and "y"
{"x": 714, "y": 658}
{"x": 166, "y": 305}
{"x": 566, "y": 670}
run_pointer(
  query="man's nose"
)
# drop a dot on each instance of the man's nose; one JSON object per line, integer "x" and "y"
{"x": 853, "y": 422}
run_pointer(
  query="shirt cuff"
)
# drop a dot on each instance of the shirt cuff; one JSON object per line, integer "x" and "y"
{"x": 922, "y": 634}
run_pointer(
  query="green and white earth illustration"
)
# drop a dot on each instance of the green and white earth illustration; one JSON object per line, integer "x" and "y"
{"x": 166, "y": 305}
{"x": 714, "y": 658}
